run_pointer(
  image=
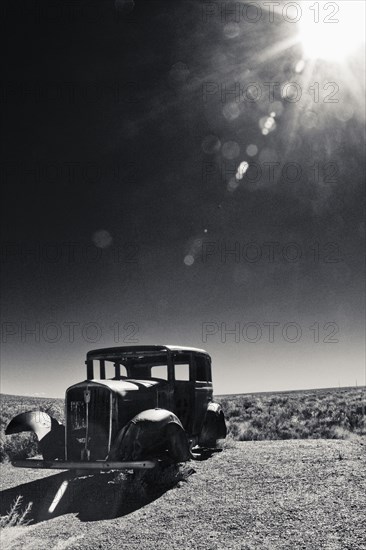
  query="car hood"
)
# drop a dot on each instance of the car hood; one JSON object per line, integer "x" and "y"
{"x": 121, "y": 387}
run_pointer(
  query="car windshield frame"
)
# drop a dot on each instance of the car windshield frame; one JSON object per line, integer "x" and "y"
{"x": 132, "y": 361}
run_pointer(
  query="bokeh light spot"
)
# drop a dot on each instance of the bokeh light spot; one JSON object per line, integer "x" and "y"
{"x": 231, "y": 30}
{"x": 102, "y": 238}
{"x": 231, "y": 111}
{"x": 267, "y": 124}
{"x": 242, "y": 168}
{"x": 230, "y": 150}
{"x": 252, "y": 150}
{"x": 189, "y": 259}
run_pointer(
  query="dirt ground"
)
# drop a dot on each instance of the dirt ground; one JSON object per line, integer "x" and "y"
{"x": 271, "y": 495}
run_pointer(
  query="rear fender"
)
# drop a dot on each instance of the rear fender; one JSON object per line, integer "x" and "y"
{"x": 150, "y": 433}
{"x": 50, "y": 434}
{"x": 214, "y": 426}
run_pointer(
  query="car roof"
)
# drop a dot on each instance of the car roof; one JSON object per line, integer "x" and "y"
{"x": 96, "y": 353}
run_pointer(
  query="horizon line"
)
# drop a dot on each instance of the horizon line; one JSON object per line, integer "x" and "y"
{"x": 218, "y": 394}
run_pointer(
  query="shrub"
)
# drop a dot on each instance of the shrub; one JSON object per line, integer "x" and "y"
{"x": 327, "y": 414}
{"x": 16, "y": 516}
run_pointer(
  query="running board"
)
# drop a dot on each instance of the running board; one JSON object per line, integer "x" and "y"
{"x": 99, "y": 465}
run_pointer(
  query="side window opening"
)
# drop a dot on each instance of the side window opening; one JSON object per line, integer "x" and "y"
{"x": 203, "y": 370}
{"x": 159, "y": 371}
{"x": 182, "y": 372}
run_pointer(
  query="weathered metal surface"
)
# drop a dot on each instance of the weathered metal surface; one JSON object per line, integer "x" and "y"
{"x": 50, "y": 434}
{"x": 214, "y": 426}
{"x": 38, "y": 422}
{"x": 151, "y": 433}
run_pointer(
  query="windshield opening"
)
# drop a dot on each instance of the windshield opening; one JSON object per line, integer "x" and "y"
{"x": 137, "y": 366}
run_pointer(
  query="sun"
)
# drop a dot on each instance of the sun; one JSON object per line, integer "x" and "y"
{"x": 332, "y": 30}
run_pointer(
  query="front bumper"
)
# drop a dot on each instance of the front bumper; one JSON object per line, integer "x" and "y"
{"x": 98, "y": 465}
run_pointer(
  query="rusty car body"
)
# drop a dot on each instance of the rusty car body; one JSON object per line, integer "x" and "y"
{"x": 157, "y": 404}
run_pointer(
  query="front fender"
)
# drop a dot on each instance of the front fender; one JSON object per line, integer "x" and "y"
{"x": 50, "y": 434}
{"x": 149, "y": 434}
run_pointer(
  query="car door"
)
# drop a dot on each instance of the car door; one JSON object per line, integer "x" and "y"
{"x": 202, "y": 389}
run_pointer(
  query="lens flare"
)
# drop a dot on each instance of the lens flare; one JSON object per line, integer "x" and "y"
{"x": 332, "y": 30}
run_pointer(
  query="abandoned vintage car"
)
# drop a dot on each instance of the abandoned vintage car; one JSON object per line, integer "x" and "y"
{"x": 156, "y": 403}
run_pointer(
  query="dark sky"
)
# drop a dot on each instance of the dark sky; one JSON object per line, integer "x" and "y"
{"x": 124, "y": 127}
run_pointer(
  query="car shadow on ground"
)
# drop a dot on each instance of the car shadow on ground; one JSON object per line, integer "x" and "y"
{"x": 100, "y": 496}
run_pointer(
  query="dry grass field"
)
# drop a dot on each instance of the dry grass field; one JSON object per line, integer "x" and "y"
{"x": 255, "y": 495}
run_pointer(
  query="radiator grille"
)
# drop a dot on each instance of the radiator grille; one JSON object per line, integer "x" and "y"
{"x": 95, "y": 422}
